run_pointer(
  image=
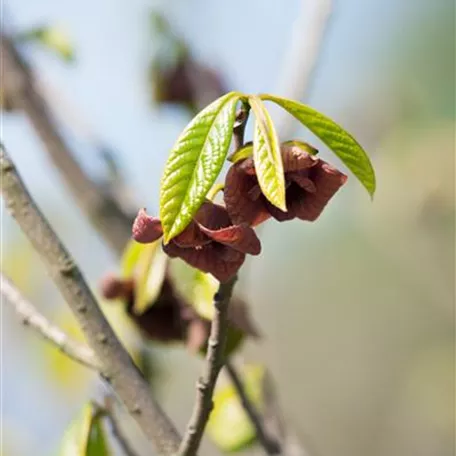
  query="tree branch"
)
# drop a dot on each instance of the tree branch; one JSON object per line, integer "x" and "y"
{"x": 270, "y": 446}
{"x": 116, "y": 365}
{"x": 214, "y": 362}
{"x": 103, "y": 210}
{"x": 301, "y": 60}
{"x": 30, "y": 316}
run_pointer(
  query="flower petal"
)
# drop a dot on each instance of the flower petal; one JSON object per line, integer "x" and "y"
{"x": 239, "y": 237}
{"x": 239, "y": 316}
{"x": 296, "y": 159}
{"x": 146, "y": 229}
{"x": 303, "y": 181}
{"x": 327, "y": 180}
{"x": 213, "y": 216}
{"x": 192, "y": 236}
{"x": 240, "y": 205}
{"x": 221, "y": 261}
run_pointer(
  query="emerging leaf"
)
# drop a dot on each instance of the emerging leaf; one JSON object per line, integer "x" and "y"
{"x": 229, "y": 426}
{"x": 86, "y": 435}
{"x": 241, "y": 154}
{"x": 146, "y": 263}
{"x": 266, "y": 155}
{"x": 194, "y": 164}
{"x": 334, "y": 136}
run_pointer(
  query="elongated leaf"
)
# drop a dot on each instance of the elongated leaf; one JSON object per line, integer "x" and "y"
{"x": 130, "y": 258}
{"x": 335, "y": 137}
{"x": 146, "y": 263}
{"x": 267, "y": 156}
{"x": 194, "y": 164}
{"x": 86, "y": 435}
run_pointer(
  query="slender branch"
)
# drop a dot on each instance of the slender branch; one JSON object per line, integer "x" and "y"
{"x": 270, "y": 446}
{"x": 214, "y": 362}
{"x": 307, "y": 37}
{"x": 21, "y": 88}
{"x": 116, "y": 365}
{"x": 239, "y": 127}
{"x": 30, "y": 316}
{"x": 275, "y": 424}
{"x": 116, "y": 427}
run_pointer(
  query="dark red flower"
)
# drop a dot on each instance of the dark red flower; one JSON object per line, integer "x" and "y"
{"x": 171, "y": 319}
{"x": 310, "y": 184}
{"x": 211, "y": 242}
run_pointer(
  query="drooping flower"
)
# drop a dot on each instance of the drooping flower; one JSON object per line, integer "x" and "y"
{"x": 310, "y": 184}
{"x": 211, "y": 242}
{"x": 171, "y": 319}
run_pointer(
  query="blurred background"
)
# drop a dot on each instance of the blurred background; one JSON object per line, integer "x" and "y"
{"x": 357, "y": 309}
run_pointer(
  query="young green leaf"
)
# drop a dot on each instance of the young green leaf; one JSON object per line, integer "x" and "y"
{"x": 86, "y": 435}
{"x": 146, "y": 264}
{"x": 334, "y": 136}
{"x": 130, "y": 257}
{"x": 267, "y": 156}
{"x": 195, "y": 163}
{"x": 241, "y": 154}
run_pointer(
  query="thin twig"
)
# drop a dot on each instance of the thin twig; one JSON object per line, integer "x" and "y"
{"x": 30, "y": 317}
{"x": 116, "y": 428}
{"x": 301, "y": 59}
{"x": 214, "y": 362}
{"x": 116, "y": 365}
{"x": 270, "y": 446}
{"x": 239, "y": 126}
{"x": 103, "y": 210}
{"x": 275, "y": 425}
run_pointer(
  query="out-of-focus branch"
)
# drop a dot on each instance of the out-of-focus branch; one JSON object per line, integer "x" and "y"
{"x": 21, "y": 89}
{"x": 116, "y": 429}
{"x": 275, "y": 425}
{"x": 214, "y": 362}
{"x": 270, "y": 446}
{"x": 301, "y": 60}
{"x": 30, "y": 316}
{"x": 116, "y": 365}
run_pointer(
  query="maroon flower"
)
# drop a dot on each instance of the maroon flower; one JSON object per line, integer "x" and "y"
{"x": 310, "y": 184}
{"x": 211, "y": 242}
{"x": 170, "y": 318}
{"x": 166, "y": 320}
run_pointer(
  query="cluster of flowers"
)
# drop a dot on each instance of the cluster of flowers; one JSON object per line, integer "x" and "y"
{"x": 218, "y": 240}
{"x": 219, "y": 237}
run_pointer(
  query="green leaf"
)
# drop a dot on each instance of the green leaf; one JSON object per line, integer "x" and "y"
{"x": 194, "y": 164}
{"x": 147, "y": 264}
{"x": 86, "y": 435}
{"x": 241, "y": 154}
{"x": 267, "y": 156}
{"x": 334, "y": 136}
{"x": 130, "y": 258}
{"x": 229, "y": 426}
